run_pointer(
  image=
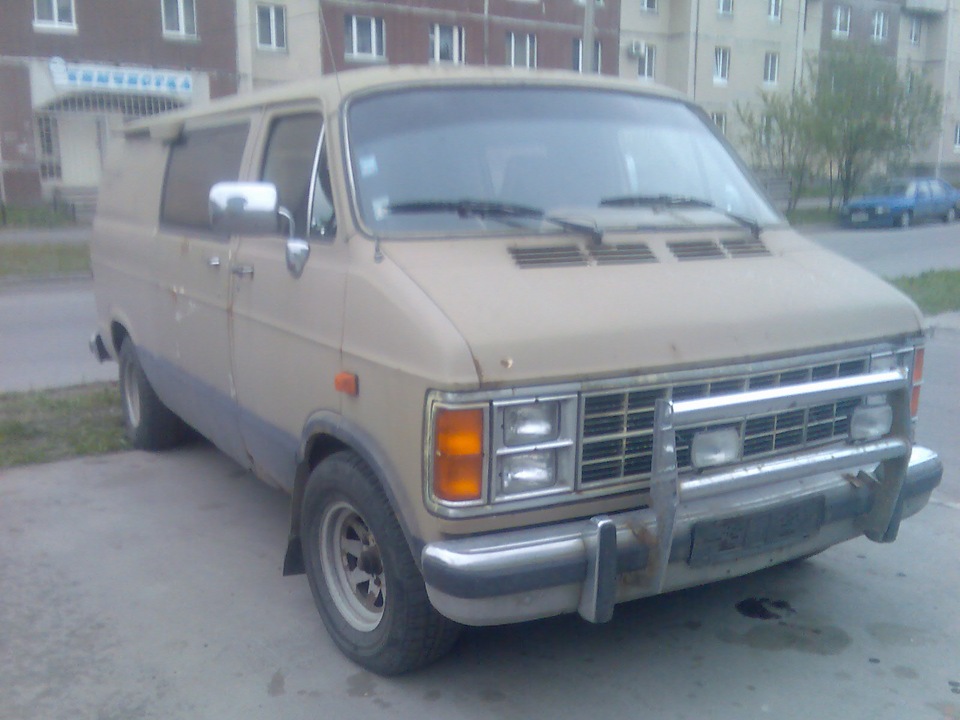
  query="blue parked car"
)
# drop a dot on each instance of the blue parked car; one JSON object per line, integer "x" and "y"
{"x": 902, "y": 203}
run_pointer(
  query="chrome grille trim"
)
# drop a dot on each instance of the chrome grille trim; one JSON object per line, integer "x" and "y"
{"x": 617, "y": 427}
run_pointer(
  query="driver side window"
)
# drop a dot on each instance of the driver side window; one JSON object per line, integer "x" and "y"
{"x": 296, "y": 163}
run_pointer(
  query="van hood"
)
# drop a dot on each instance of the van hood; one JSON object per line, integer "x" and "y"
{"x": 549, "y": 309}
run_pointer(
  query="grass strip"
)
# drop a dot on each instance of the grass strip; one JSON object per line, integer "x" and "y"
{"x": 47, "y": 425}
{"x": 935, "y": 291}
{"x": 43, "y": 259}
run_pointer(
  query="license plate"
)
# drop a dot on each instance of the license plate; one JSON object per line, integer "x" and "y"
{"x": 717, "y": 541}
{"x": 858, "y": 217}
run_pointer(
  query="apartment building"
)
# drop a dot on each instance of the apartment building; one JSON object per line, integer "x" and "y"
{"x": 519, "y": 33}
{"x": 719, "y": 52}
{"x": 70, "y": 70}
{"x": 923, "y": 35}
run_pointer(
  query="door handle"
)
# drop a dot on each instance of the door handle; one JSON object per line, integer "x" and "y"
{"x": 242, "y": 271}
{"x": 213, "y": 262}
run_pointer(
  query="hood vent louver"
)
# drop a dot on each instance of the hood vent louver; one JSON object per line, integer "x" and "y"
{"x": 636, "y": 253}
{"x": 745, "y": 247}
{"x": 696, "y": 250}
{"x": 621, "y": 254}
{"x": 710, "y": 250}
{"x": 552, "y": 256}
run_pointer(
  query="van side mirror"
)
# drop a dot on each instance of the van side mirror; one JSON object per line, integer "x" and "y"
{"x": 247, "y": 208}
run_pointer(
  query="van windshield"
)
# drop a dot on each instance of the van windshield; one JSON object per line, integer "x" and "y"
{"x": 418, "y": 157}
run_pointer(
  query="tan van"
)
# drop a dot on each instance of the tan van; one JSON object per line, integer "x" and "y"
{"x": 516, "y": 345}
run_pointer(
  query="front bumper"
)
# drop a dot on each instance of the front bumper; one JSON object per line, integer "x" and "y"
{"x": 587, "y": 566}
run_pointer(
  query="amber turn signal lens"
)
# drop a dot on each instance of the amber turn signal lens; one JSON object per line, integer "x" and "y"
{"x": 917, "y": 382}
{"x": 458, "y": 463}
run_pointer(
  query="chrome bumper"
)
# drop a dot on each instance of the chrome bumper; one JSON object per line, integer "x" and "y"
{"x": 587, "y": 566}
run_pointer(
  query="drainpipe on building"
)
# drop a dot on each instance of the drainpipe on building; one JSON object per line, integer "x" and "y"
{"x": 586, "y": 48}
{"x": 946, "y": 86}
{"x": 486, "y": 32}
{"x": 696, "y": 51}
{"x": 798, "y": 63}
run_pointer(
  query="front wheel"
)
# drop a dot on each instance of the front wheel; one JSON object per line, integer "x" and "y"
{"x": 367, "y": 588}
{"x": 149, "y": 424}
{"x": 951, "y": 215}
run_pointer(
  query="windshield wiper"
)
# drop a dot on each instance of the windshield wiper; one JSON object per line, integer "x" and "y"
{"x": 679, "y": 201}
{"x": 494, "y": 209}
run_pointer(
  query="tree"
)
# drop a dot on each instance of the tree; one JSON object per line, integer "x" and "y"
{"x": 865, "y": 113}
{"x": 852, "y": 112}
{"x": 781, "y": 136}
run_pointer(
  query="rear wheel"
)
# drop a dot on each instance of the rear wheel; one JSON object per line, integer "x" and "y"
{"x": 905, "y": 219}
{"x": 951, "y": 215}
{"x": 365, "y": 583}
{"x": 149, "y": 424}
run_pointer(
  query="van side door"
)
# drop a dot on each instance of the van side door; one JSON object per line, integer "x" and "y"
{"x": 286, "y": 323}
{"x": 193, "y": 268}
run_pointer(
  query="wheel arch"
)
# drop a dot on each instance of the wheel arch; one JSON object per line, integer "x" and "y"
{"x": 324, "y": 434}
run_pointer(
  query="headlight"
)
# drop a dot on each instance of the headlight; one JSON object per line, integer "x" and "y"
{"x": 486, "y": 452}
{"x": 527, "y": 424}
{"x": 535, "y": 448}
{"x": 882, "y": 209}
{"x": 524, "y": 473}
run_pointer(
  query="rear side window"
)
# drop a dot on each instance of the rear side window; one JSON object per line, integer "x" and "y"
{"x": 198, "y": 160}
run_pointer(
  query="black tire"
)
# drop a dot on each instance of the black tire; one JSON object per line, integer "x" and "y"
{"x": 367, "y": 588}
{"x": 150, "y": 425}
{"x": 905, "y": 219}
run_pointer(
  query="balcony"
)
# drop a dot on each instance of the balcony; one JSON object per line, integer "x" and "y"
{"x": 926, "y": 6}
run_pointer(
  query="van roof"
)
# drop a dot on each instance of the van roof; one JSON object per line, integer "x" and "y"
{"x": 331, "y": 89}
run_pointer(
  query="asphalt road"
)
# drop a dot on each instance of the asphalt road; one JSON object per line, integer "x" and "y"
{"x": 148, "y": 586}
{"x": 44, "y": 331}
{"x": 895, "y": 252}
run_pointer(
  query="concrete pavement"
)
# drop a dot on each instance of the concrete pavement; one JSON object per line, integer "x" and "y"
{"x": 148, "y": 586}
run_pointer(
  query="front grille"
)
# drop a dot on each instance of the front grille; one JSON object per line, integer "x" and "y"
{"x": 617, "y": 427}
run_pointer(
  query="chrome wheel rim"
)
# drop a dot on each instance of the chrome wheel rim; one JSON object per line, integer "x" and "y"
{"x": 131, "y": 394}
{"x": 352, "y": 567}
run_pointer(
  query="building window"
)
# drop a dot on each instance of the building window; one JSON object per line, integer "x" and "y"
{"x": 648, "y": 5}
{"x": 578, "y": 55}
{"x": 879, "y": 26}
{"x": 647, "y": 61}
{"x": 521, "y": 50}
{"x": 841, "y": 21}
{"x": 179, "y": 18}
{"x": 721, "y": 65}
{"x": 54, "y": 15}
{"x": 720, "y": 120}
{"x": 766, "y": 130}
{"x": 272, "y": 27}
{"x": 916, "y": 26}
{"x": 771, "y": 68}
{"x": 48, "y": 142}
{"x": 448, "y": 44}
{"x": 725, "y": 7}
{"x": 774, "y": 9}
{"x": 363, "y": 37}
